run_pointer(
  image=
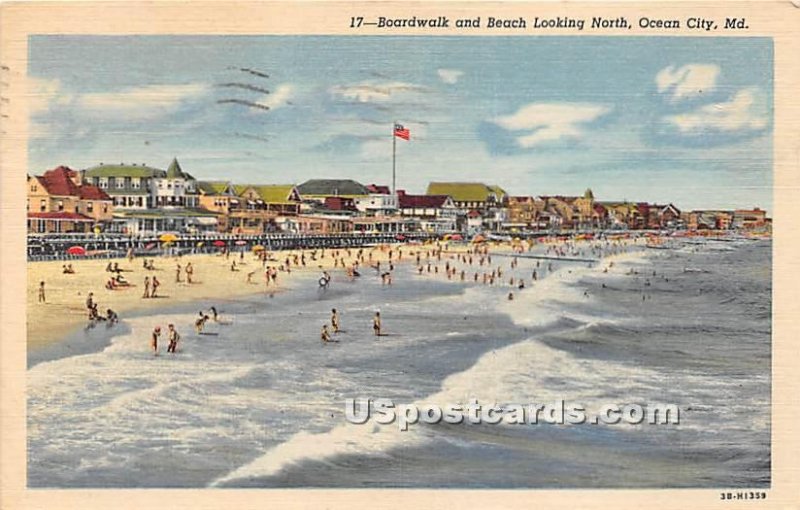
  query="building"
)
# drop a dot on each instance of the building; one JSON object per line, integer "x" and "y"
{"x": 709, "y": 220}
{"x": 320, "y": 189}
{"x": 59, "y": 201}
{"x": 750, "y": 219}
{"x": 317, "y": 224}
{"x": 436, "y": 213}
{"x": 152, "y": 200}
{"x": 575, "y": 212}
{"x": 248, "y": 208}
{"x": 380, "y": 201}
{"x": 469, "y": 195}
{"x": 135, "y": 186}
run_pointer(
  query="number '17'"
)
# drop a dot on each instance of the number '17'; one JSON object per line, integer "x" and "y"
{"x": 356, "y": 22}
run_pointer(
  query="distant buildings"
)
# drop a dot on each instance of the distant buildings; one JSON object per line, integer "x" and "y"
{"x": 148, "y": 199}
{"x": 139, "y": 199}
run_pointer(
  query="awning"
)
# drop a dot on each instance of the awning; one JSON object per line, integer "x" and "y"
{"x": 206, "y": 220}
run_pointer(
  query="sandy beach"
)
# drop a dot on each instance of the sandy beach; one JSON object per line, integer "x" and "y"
{"x": 64, "y": 309}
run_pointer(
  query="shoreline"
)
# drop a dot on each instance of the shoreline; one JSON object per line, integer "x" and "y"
{"x": 64, "y": 314}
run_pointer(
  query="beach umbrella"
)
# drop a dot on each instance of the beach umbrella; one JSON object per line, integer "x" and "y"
{"x": 76, "y": 250}
{"x": 219, "y": 243}
{"x": 478, "y": 239}
{"x": 400, "y": 237}
{"x": 200, "y": 244}
{"x": 240, "y": 242}
{"x": 150, "y": 246}
{"x": 168, "y": 238}
{"x": 258, "y": 247}
{"x": 456, "y": 237}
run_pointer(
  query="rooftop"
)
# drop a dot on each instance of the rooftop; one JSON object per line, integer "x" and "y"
{"x": 332, "y": 187}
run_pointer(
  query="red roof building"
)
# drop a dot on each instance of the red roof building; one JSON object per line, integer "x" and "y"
{"x": 58, "y": 201}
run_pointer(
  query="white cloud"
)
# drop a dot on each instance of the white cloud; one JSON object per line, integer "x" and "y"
{"x": 43, "y": 94}
{"x": 450, "y": 76}
{"x": 372, "y": 91}
{"x": 145, "y": 102}
{"x": 278, "y": 97}
{"x": 741, "y": 113}
{"x": 547, "y": 122}
{"x": 687, "y": 81}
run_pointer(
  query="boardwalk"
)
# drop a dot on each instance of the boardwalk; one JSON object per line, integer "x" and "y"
{"x": 55, "y": 246}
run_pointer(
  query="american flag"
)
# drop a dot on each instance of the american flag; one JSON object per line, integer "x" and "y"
{"x": 401, "y": 132}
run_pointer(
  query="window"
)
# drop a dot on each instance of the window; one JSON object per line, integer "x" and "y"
{"x": 28, "y": 205}
{"x": 136, "y": 183}
{"x": 105, "y": 208}
{"x": 34, "y": 188}
{"x": 89, "y": 207}
{"x": 120, "y": 184}
{"x": 103, "y": 183}
{"x": 43, "y": 205}
{"x": 60, "y": 205}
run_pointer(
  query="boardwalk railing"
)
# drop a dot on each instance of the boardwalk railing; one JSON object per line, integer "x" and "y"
{"x": 55, "y": 246}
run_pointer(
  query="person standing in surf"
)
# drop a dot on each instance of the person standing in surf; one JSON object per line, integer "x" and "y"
{"x": 376, "y": 324}
{"x": 335, "y": 320}
{"x": 173, "y": 337}
{"x": 154, "y": 339}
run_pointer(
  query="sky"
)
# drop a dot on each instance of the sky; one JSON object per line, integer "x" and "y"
{"x": 660, "y": 119}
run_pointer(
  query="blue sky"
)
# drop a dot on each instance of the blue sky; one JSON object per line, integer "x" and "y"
{"x": 683, "y": 120}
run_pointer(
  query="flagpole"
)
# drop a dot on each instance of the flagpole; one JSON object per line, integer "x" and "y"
{"x": 394, "y": 159}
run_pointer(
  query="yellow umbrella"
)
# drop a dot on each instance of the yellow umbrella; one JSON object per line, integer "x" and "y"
{"x": 200, "y": 244}
{"x": 168, "y": 238}
{"x": 258, "y": 247}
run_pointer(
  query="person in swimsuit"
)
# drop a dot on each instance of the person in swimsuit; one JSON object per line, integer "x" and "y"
{"x": 324, "y": 335}
{"x": 173, "y": 339}
{"x": 376, "y": 324}
{"x": 335, "y": 320}
{"x": 154, "y": 339}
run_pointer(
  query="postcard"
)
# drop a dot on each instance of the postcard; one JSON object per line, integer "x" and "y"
{"x": 385, "y": 253}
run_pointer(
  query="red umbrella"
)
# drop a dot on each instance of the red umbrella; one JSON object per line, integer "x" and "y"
{"x": 150, "y": 246}
{"x": 76, "y": 250}
{"x": 240, "y": 242}
{"x": 456, "y": 237}
{"x": 400, "y": 237}
{"x": 219, "y": 243}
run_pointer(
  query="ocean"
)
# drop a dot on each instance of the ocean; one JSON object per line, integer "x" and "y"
{"x": 259, "y": 401}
